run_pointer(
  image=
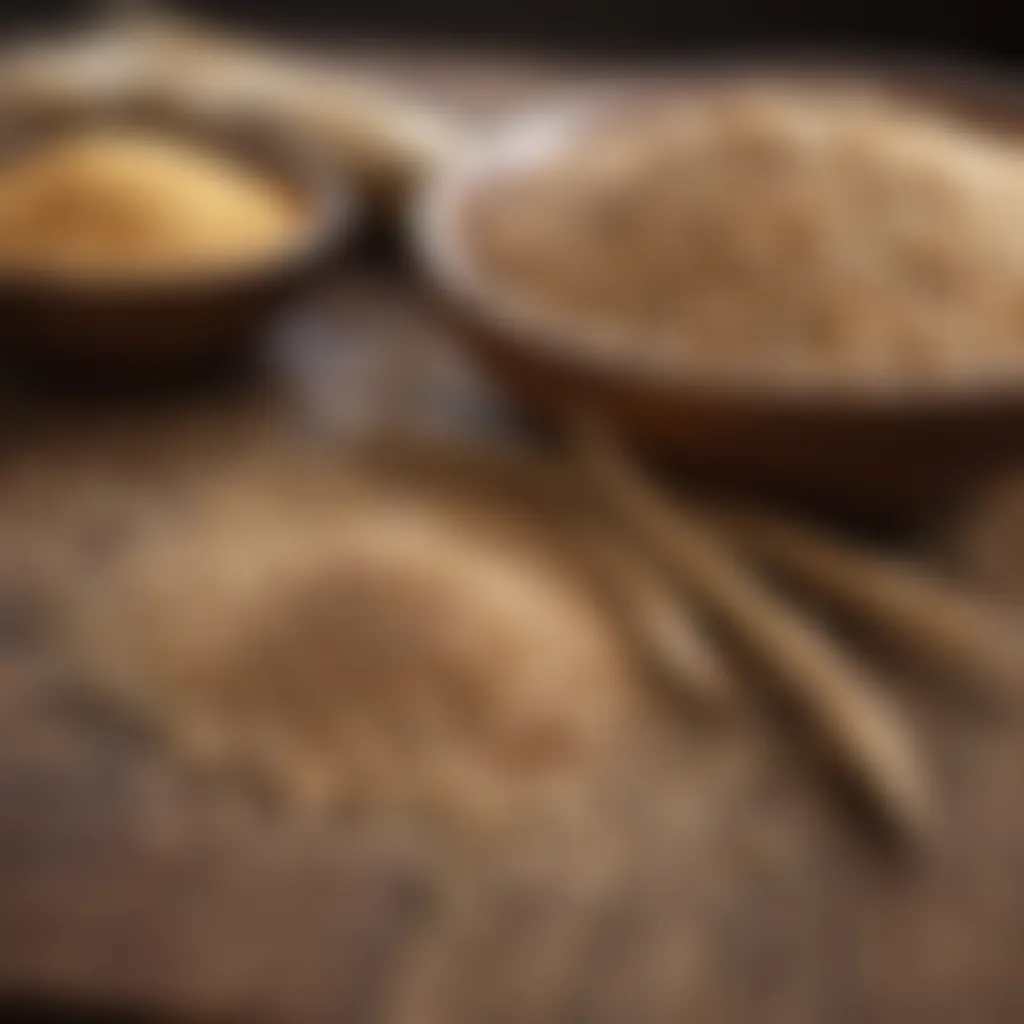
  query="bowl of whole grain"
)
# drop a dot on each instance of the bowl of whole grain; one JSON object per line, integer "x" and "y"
{"x": 809, "y": 278}
{"x": 152, "y": 241}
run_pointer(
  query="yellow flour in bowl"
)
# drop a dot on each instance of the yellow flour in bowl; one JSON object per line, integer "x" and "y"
{"x": 116, "y": 203}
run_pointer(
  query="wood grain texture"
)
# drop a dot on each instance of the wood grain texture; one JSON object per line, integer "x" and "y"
{"x": 720, "y": 882}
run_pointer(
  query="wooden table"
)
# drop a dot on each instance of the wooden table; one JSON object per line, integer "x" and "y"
{"x": 723, "y": 883}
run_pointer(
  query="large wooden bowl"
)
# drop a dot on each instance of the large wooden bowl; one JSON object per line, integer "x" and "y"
{"x": 900, "y": 445}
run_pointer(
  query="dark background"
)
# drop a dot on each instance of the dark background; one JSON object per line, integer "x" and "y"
{"x": 983, "y": 29}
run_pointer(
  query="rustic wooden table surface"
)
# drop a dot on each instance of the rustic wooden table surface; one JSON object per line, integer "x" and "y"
{"x": 732, "y": 887}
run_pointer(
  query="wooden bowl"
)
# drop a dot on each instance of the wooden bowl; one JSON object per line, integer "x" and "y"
{"x": 165, "y": 325}
{"x": 875, "y": 448}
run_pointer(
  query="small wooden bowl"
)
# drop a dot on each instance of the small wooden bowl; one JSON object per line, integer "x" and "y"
{"x": 164, "y": 326}
{"x": 870, "y": 448}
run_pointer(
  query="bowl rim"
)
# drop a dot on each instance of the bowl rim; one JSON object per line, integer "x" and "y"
{"x": 527, "y": 331}
{"x": 330, "y": 206}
